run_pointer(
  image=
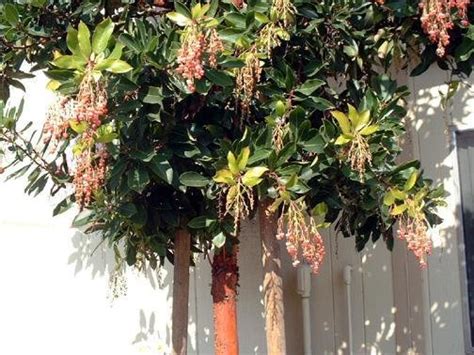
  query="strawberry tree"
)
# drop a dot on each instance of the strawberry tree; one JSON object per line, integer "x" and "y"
{"x": 177, "y": 121}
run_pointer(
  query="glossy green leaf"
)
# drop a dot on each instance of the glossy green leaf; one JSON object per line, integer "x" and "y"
{"x": 73, "y": 42}
{"x": 342, "y": 139}
{"x": 232, "y": 163}
{"x": 162, "y": 168}
{"x": 367, "y": 131}
{"x": 102, "y": 35}
{"x": 201, "y": 222}
{"x": 70, "y": 62}
{"x": 253, "y": 176}
{"x": 84, "y": 39}
{"x": 179, "y": 19}
{"x": 138, "y": 179}
{"x": 411, "y": 181}
{"x": 219, "y": 240}
{"x": 11, "y": 14}
{"x": 193, "y": 179}
{"x": 224, "y": 176}
{"x": 310, "y": 86}
{"x": 119, "y": 67}
{"x": 243, "y": 158}
{"x": 397, "y": 210}
{"x": 343, "y": 121}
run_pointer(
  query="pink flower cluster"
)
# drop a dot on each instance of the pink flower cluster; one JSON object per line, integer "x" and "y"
{"x": 91, "y": 102}
{"x": 436, "y": 20}
{"x": 301, "y": 236}
{"x": 56, "y": 126}
{"x": 89, "y": 175}
{"x": 89, "y": 106}
{"x": 415, "y": 232}
{"x": 191, "y": 55}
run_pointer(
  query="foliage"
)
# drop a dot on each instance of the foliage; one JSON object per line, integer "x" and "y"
{"x": 208, "y": 104}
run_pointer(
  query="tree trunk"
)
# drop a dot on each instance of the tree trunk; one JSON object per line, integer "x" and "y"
{"x": 225, "y": 276}
{"x": 181, "y": 292}
{"x": 272, "y": 282}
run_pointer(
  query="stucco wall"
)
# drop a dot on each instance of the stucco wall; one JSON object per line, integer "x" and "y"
{"x": 54, "y": 289}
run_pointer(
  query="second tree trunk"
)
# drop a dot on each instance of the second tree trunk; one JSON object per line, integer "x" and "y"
{"x": 272, "y": 282}
{"x": 181, "y": 292}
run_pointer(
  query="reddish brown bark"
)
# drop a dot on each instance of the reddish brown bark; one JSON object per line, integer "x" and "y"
{"x": 180, "y": 292}
{"x": 225, "y": 277}
{"x": 272, "y": 282}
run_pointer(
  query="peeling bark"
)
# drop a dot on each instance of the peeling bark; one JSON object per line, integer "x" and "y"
{"x": 225, "y": 276}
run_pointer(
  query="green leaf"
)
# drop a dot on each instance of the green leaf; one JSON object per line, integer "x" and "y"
{"x": 232, "y": 163}
{"x": 11, "y": 14}
{"x": 127, "y": 210}
{"x": 70, "y": 62}
{"x": 193, "y": 179}
{"x": 154, "y": 96}
{"x": 367, "y": 131}
{"x": 106, "y": 134}
{"x": 343, "y": 121}
{"x": 182, "y": 9}
{"x": 389, "y": 198}
{"x": 140, "y": 217}
{"x": 321, "y": 209}
{"x": 310, "y": 86}
{"x": 117, "y": 52}
{"x": 219, "y": 77}
{"x": 219, "y": 240}
{"x": 84, "y": 38}
{"x": 201, "y": 222}
{"x": 262, "y": 18}
{"x": 243, "y": 158}
{"x": 363, "y": 120}
{"x": 73, "y": 42}
{"x": 179, "y": 19}
{"x": 280, "y": 108}
{"x": 78, "y": 127}
{"x": 397, "y": 210}
{"x": 83, "y": 218}
{"x": 253, "y": 176}
{"x": 38, "y": 3}
{"x": 130, "y": 42}
{"x": 119, "y": 67}
{"x": 351, "y": 51}
{"x": 315, "y": 145}
{"x": 259, "y": 155}
{"x": 224, "y": 176}
{"x": 353, "y": 114}
{"x": 342, "y": 139}
{"x": 102, "y": 35}
{"x": 138, "y": 179}
{"x": 63, "y": 206}
{"x": 104, "y": 64}
{"x": 411, "y": 181}
{"x": 162, "y": 168}
{"x": 399, "y": 195}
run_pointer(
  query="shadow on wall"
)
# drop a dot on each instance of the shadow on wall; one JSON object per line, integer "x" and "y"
{"x": 93, "y": 257}
{"x": 436, "y": 148}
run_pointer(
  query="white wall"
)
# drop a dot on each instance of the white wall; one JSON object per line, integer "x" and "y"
{"x": 435, "y": 147}
{"x": 54, "y": 298}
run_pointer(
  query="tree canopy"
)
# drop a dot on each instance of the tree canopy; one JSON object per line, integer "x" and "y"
{"x": 180, "y": 115}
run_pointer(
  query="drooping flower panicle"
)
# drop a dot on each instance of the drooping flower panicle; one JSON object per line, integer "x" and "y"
{"x": 437, "y": 20}
{"x": 198, "y": 48}
{"x": 89, "y": 175}
{"x": 303, "y": 240}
